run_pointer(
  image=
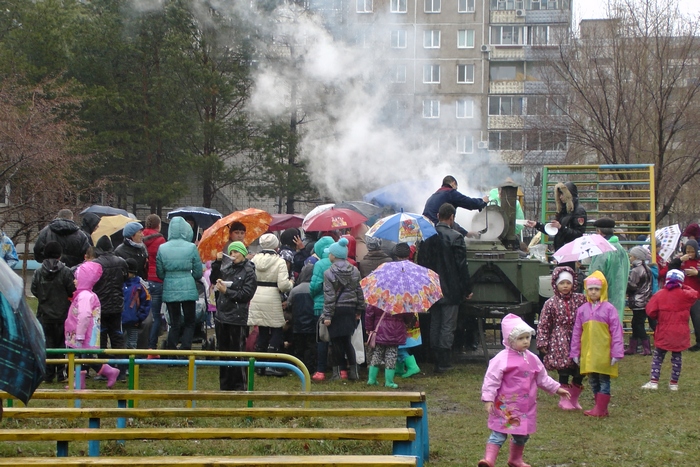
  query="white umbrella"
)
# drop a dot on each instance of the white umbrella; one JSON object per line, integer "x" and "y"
{"x": 668, "y": 238}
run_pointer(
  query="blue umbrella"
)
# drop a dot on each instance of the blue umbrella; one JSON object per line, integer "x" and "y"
{"x": 395, "y": 195}
{"x": 203, "y": 217}
{"x": 402, "y": 227}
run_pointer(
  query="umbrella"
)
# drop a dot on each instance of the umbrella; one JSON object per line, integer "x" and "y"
{"x": 366, "y": 209}
{"x": 402, "y": 227}
{"x": 109, "y": 225}
{"x": 216, "y": 237}
{"x": 106, "y": 211}
{"x": 668, "y": 238}
{"x": 285, "y": 221}
{"x": 317, "y": 210}
{"x": 203, "y": 217}
{"x": 402, "y": 287}
{"x": 333, "y": 219}
{"x": 401, "y": 195}
{"x": 583, "y": 247}
{"x": 22, "y": 343}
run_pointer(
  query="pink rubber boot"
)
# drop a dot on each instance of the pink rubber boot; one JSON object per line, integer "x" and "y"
{"x": 489, "y": 459}
{"x": 110, "y": 373}
{"x": 575, "y": 391}
{"x": 564, "y": 403}
{"x": 515, "y": 459}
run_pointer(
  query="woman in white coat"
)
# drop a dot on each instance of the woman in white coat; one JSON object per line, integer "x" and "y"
{"x": 265, "y": 310}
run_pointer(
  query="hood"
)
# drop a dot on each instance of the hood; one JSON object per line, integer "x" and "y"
{"x": 63, "y": 227}
{"x": 352, "y": 246}
{"x": 343, "y": 271}
{"x": 694, "y": 245}
{"x": 511, "y": 327}
{"x": 306, "y": 273}
{"x": 693, "y": 230}
{"x": 570, "y": 193}
{"x": 265, "y": 261}
{"x": 179, "y": 229}
{"x": 90, "y": 221}
{"x": 604, "y": 288}
{"x": 87, "y": 275}
{"x": 51, "y": 265}
{"x": 321, "y": 245}
{"x": 555, "y": 276}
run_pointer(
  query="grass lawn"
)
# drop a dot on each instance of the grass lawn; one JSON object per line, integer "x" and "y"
{"x": 646, "y": 428}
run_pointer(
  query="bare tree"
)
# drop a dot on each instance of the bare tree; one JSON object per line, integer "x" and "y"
{"x": 631, "y": 92}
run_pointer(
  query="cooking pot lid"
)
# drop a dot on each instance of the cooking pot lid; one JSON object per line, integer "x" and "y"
{"x": 496, "y": 223}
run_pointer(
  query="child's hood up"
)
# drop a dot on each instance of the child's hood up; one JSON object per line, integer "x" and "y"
{"x": 555, "y": 276}
{"x": 603, "y": 289}
{"x": 513, "y": 326}
{"x": 87, "y": 275}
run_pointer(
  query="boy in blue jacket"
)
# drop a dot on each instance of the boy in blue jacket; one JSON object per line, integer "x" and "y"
{"x": 137, "y": 304}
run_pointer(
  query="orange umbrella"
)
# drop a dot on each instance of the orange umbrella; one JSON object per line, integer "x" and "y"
{"x": 216, "y": 237}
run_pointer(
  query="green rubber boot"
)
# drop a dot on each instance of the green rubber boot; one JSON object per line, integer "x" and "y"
{"x": 400, "y": 368}
{"x": 411, "y": 367}
{"x": 389, "y": 379}
{"x": 373, "y": 372}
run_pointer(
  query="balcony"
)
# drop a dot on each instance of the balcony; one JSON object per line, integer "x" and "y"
{"x": 506, "y": 122}
{"x": 507, "y": 87}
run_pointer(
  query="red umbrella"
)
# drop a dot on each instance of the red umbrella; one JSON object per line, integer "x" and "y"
{"x": 285, "y": 221}
{"x": 333, "y": 219}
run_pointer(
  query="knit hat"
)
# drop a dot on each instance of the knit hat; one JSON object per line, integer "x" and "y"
{"x": 339, "y": 249}
{"x": 593, "y": 283}
{"x": 604, "y": 223}
{"x": 640, "y": 253}
{"x": 373, "y": 243}
{"x": 131, "y": 228}
{"x": 104, "y": 244}
{"x": 133, "y": 265}
{"x": 693, "y": 230}
{"x": 287, "y": 255}
{"x": 674, "y": 278}
{"x": 565, "y": 276}
{"x": 239, "y": 247}
{"x": 269, "y": 242}
{"x": 53, "y": 250}
{"x": 402, "y": 250}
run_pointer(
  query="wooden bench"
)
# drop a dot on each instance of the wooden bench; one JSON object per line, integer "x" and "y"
{"x": 410, "y": 443}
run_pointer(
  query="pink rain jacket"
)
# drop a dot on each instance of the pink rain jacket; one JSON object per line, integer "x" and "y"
{"x": 83, "y": 321}
{"x": 511, "y": 383}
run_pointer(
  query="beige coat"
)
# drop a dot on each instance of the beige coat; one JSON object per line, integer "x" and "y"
{"x": 266, "y": 305}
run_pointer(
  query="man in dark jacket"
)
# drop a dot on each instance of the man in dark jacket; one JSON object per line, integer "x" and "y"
{"x": 89, "y": 224}
{"x": 53, "y": 287}
{"x": 448, "y": 194}
{"x": 133, "y": 247}
{"x": 570, "y": 218}
{"x": 304, "y": 320}
{"x": 446, "y": 254}
{"x": 74, "y": 243}
{"x": 374, "y": 257}
{"x": 236, "y": 284}
{"x": 109, "y": 290}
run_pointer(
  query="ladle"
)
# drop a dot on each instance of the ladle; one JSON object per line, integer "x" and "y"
{"x": 486, "y": 214}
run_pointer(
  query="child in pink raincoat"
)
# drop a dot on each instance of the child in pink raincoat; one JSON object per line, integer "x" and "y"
{"x": 82, "y": 326}
{"x": 509, "y": 392}
{"x": 597, "y": 343}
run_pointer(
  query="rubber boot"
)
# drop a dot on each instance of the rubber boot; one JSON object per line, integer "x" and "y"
{"x": 445, "y": 360}
{"x": 575, "y": 391}
{"x": 400, "y": 367}
{"x": 564, "y": 403}
{"x": 632, "y": 347}
{"x": 436, "y": 359}
{"x": 646, "y": 347}
{"x": 353, "y": 374}
{"x": 515, "y": 458}
{"x": 411, "y": 367}
{"x": 389, "y": 378}
{"x": 336, "y": 373}
{"x": 601, "y": 406}
{"x": 372, "y": 378}
{"x": 110, "y": 373}
{"x": 83, "y": 375}
{"x": 490, "y": 456}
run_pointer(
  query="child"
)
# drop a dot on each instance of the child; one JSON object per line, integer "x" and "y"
{"x": 82, "y": 325}
{"x": 137, "y": 304}
{"x": 509, "y": 392}
{"x": 597, "y": 343}
{"x": 304, "y": 320}
{"x": 639, "y": 286}
{"x": 53, "y": 287}
{"x": 554, "y": 333}
{"x": 391, "y": 332}
{"x": 671, "y": 307}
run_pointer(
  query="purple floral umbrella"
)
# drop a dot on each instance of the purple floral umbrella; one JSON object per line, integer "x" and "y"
{"x": 402, "y": 287}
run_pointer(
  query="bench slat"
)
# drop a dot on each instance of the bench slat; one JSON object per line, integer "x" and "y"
{"x": 104, "y": 434}
{"x": 203, "y": 461}
{"x": 292, "y": 412}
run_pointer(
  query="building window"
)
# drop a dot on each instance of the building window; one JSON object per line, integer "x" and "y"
{"x": 398, "y": 6}
{"x": 465, "y": 144}
{"x": 398, "y": 74}
{"x": 547, "y": 4}
{"x": 545, "y": 141}
{"x": 507, "y": 4}
{"x": 465, "y": 39}
{"x": 398, "y": 39}
{"x": 431, "y": 39}
{"x": 432, "y": 6}
{"x": 431, "y": 108}
{"x": 465, "y": 108}
{"x": 505, "y": 141}
{"x": 465, "y": 74}
{"x": 465, "y": 6}
{"x": 505, "y": 105}
{"x": 507, "y": 35}
{"x": 364, "y": 6}
{"x": 431, "y": 74}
